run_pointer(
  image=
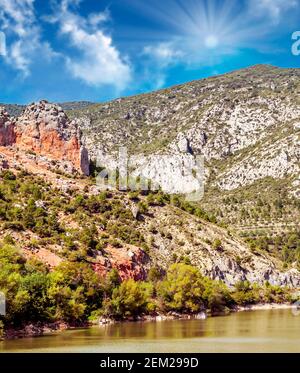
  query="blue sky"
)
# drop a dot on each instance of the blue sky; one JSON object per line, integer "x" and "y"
{"x": 97, "y": 50}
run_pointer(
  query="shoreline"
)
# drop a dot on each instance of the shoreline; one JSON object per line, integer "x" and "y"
{"x": 264, "y": 306}
{"x": 41, "y": 329}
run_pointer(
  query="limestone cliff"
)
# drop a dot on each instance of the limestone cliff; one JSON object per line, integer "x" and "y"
{"x": 245, "y": 124}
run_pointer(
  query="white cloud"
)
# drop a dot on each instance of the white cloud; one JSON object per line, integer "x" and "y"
{"x": 97, "y": 61}
{"x": 18, "y": 56}
{"x": 273, "y": 9}
{"x": 18, "y": 21}
{"x": 96, "y": 19}
{"x": 164, "y": 53}
{"x": 158, "y": 58}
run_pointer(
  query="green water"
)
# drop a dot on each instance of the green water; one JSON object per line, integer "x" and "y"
{"x": 253, "y": 331}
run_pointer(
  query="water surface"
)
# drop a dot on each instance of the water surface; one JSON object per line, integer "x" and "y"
{"x": 252, "y": 331}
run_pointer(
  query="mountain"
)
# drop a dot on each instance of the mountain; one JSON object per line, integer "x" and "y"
{"x": 16, "y": 110}
{"x": 246, "y": 124}
{"x": 13, "y": 109}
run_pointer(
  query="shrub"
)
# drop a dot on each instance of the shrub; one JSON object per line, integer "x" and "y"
{"x": 130, "y": 299}
{"x": 182, "y": 289}
{"x": 216, "y": 296}
{"x": 75, "y": 291}
{"x": 8, "y": 175}
{"x": 154, "y": 274}
{"x": 217, "y": 244}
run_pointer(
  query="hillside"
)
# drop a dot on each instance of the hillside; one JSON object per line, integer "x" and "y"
{"x": 55, "y": 217}
{"x": 71, "y": 252}
{"x": 246, "y": 124}
{"x": 156, "y": 228}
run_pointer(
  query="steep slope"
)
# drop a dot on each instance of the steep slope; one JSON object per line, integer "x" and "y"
{"x": 249, "y": 116}
{"x": 53, "y": 219}
{"x": 246, "y": 124}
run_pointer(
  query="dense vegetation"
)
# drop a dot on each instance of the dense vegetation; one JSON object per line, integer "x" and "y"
{"x": 74, "y": 293}
{"x": 30, "y": 204}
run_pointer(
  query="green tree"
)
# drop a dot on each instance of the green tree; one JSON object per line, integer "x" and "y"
{"x": 182, "y": 290}
{"x": 75, "y": 291}
{"x": 130, "y": 299}
{"x": 216, "y": 296}
{"x": 112, "y": 281}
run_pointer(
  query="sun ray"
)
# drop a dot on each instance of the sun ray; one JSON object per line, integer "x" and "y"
{"x": 198, "y": 29}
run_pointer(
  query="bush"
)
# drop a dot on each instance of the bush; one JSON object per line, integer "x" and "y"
{"x": 130, "y": 299}
{"x": 216, "y": 296}
{"x": 75, "y": 291}
{"x": 8, "y": 175}
{"x": 154, "y": 274}
{"x": 245, "y": 293}
{"x": 182, "y": 289}
{"x": 24, "y": 287}
{"x": 217, "y": 244}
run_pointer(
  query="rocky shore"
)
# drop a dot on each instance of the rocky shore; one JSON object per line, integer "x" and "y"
{"x": 39, "y": 329}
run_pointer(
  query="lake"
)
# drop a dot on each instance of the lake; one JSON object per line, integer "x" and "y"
{"x": 276, "y": 330}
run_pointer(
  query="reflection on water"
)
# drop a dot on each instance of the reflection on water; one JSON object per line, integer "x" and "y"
{"x": 255, "y": 331}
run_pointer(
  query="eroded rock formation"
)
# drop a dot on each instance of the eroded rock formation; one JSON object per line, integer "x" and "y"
{"x": 44, "y": 129}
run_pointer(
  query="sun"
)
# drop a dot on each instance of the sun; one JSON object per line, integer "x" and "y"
{"x": 211, "y": 41}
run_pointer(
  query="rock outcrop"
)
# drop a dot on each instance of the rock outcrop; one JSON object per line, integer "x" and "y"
{"x": 130, "y": 262}
{"x": 7, "y": 133}
{"x": 246, "y": 126}
{"x": 45, "y": 130}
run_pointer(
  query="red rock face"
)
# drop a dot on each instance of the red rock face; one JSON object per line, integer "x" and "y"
{"x": 130, "y": 263}
{"x": 49, "y": 143}
{"x": 45, "y": 129}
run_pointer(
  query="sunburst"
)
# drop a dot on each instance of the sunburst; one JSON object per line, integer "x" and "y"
{"x": 201, "y": 25}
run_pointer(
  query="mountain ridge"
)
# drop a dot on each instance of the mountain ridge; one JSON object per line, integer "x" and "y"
{"x": 16, "y": 109}
{"x": 245, "y": 124}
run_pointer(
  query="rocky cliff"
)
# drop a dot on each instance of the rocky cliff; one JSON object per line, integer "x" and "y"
{"x": 44, "y": 129}
{"x": 70, "y": 220}
{"x": 245, "y": 124}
